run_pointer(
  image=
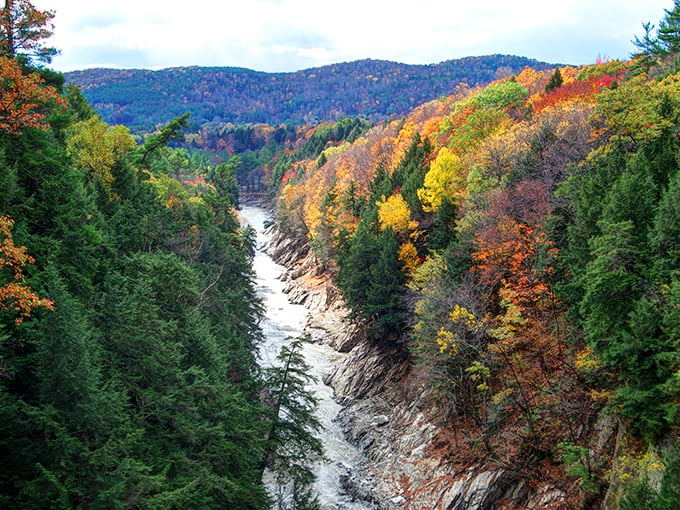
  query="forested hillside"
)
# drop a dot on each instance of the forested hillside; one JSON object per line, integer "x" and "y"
{"x": 519, "y": 243}
{"x": 128, "y": 321}
{"x": 128, "y": 316}
{"x": 374, "y": 89}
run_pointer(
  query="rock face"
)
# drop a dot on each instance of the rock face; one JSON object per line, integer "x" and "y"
{"x": 388, "y": 414}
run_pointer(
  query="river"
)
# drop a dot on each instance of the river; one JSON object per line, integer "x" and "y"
{"x": 283, "y": 320}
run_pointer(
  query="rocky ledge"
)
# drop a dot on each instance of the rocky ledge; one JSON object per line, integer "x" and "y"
{"x": 387, "y": 413}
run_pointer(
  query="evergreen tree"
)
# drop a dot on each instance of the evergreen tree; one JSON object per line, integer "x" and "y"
{"x": 354, "y": 275}
{"x": 291, "y": 443}
{"x": 554, "y": 82}
{"x": 665, "y": 235}
{"x": 669, "y": 29}
{"x": 80, "y": 108}
{"x": 384, "y": 295}
{"x": 655, "y": 47}
{"x": 141, "y": 387}
{"x": 152, "y": 144}
{"x": 410, "y": 173}
{"x": 443, "y": 231}
{"x": 382, "y": 185}
{"x": 22, "y": 31}
{"x": 223, "y": 177}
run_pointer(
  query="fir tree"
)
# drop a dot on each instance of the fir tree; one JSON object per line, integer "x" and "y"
{"x": 554, "y": 82}
{"x": 291, "y": 443}
{"x": 383, "y": 305}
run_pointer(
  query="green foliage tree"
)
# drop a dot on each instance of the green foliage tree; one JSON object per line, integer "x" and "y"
{"x": 77, "y": 102}
{"x": 620, "y": 251}
{"x": 501, "y": 95}
{"x": 372, "y": 280}
{"x": 554, "y": 82}
{"x": 152, "y": 144}
{"x": 354, "y": 274}
{"x": 655, "y": 47}
{"x": 384, "y": 305}
{"x": 665, "y": 235}
{"x": 223, "y": 177}
{"x": 443, "y": 232}
{"x": 669, "y": 29}
{"x": 410, "y": 173}
{"x": 141, "y": 387}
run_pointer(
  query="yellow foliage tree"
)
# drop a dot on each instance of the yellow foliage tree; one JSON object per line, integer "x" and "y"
{"x": 533, "y": 80}
{"x": 395, "y": 213}
{"x": 408, "y": 255}
{"x": 96, "y": 147}
{"x": 289, "y": 208}
{"x": 445, "y": 178}
{"x": 403, "y": 142}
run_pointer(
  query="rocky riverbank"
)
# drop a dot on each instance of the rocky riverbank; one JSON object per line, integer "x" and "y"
{"x": 386, "y": 412}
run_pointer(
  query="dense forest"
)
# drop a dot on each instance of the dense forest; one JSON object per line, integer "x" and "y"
{"x": 374, "y": 89}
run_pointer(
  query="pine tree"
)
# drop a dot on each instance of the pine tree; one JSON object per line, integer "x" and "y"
{"x": 354, "y": 275}
{"x": 384, "y": 305}
{"x": 22, "y": 31}
{"x": 410, "y": 173}
{"x": 665, "y": 235}
{"x": 554, "y": 82}
{"x": 656, "y": 47}
{"x": 669, "y": 29}
{"x": 291, "y": 443}
{"x": 171, "y": 131}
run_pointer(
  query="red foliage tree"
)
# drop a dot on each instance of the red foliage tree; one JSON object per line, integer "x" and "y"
{"x": 574, "y": 90}
{"x": 513, "y": 251}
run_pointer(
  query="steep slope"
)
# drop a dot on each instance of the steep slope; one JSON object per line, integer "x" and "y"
{"x": 511, "y": 256}
{"x": 375, "y": 89}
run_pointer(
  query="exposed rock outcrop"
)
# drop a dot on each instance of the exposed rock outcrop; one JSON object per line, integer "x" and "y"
{"x": 388, "y": 414}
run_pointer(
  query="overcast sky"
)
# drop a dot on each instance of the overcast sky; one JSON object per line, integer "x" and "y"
{"x": 287, "y": 35}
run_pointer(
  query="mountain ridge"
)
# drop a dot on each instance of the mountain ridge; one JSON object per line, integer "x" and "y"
{"x": 340, "y": 63}
{"x": 375, "y": 89}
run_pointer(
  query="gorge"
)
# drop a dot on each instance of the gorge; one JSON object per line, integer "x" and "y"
{"x": 489, "y": 282}
{"x": 283, "y": 320}
{"x": 379, "y": 426}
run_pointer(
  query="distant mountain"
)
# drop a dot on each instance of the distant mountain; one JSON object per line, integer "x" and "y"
{"x": 375, "y": 89}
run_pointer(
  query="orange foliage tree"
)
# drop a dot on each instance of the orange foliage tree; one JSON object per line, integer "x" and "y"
{"x": 573, "y": 90}
{"x": 24, "y": 99}
{"x": 15, "y": 294}
{"x": 529, "y": 373}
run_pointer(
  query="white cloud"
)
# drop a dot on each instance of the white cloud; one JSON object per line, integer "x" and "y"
{"x": 277, "y": 35}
